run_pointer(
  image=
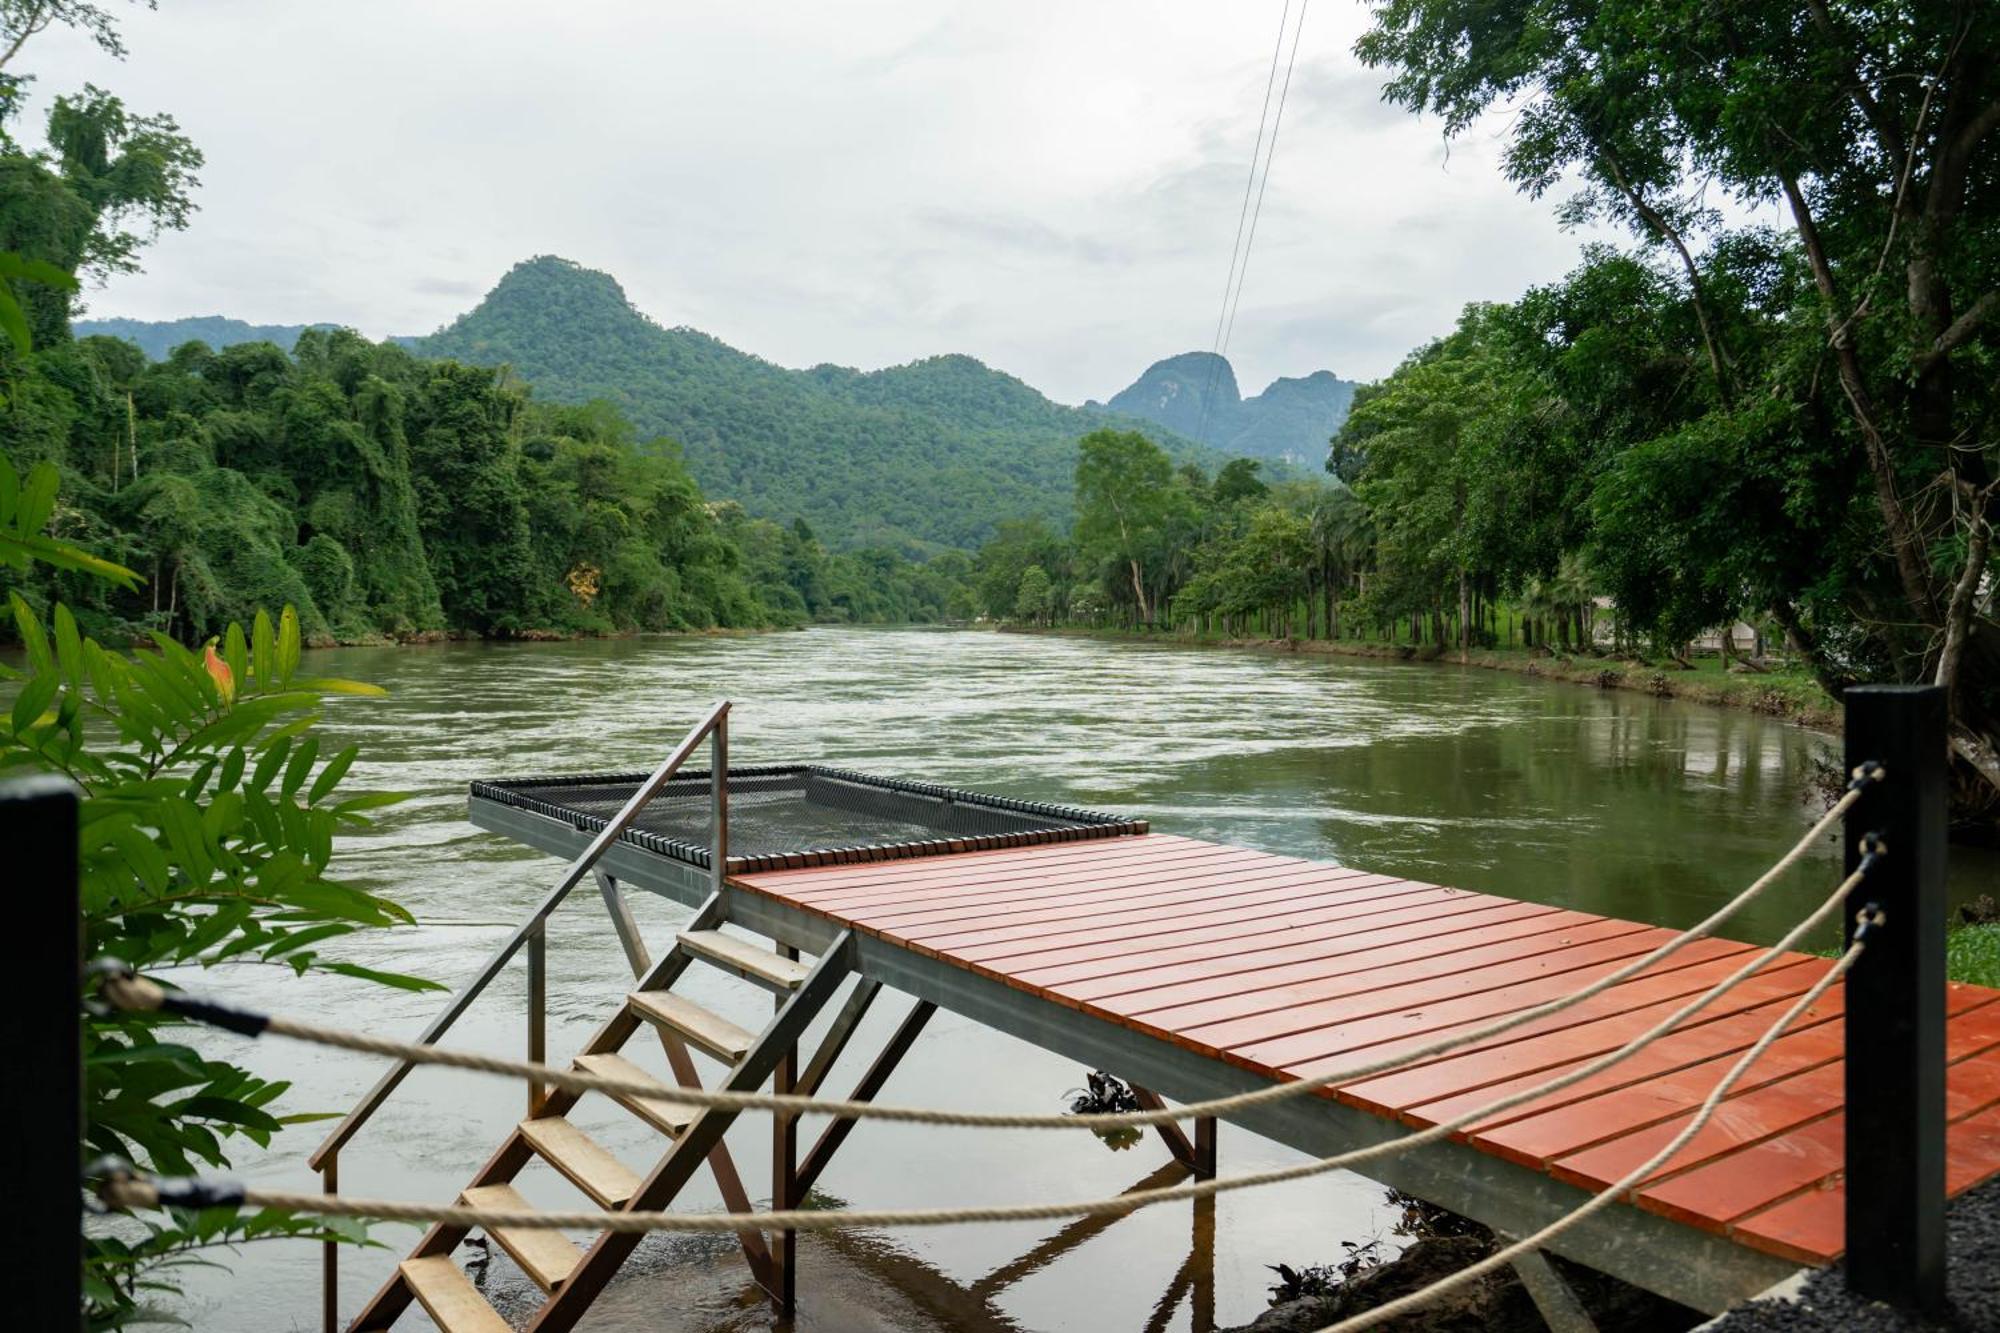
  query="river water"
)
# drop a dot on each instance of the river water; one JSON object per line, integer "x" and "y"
{"x": 1605, "y": 801}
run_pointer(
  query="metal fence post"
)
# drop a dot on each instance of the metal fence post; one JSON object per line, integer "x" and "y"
{"x": 718, "y": 794}
{"x": 41, "y": 1127}
{"x": 1895, "y": 1001}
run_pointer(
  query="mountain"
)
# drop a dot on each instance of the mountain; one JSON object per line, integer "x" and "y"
{"x": 1196, "y": 395}
{"x": 158, "y": 337}
{"x": 923, "y": 456}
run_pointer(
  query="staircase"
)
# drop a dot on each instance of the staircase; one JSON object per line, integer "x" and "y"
{"x": 571, "y": 1277}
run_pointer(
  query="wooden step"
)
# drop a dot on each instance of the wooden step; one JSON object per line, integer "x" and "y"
{"x": 586, "y": 1162}
{"x": 449, "y": 1297}
{"x": 546, "y": 1256}
{"x": 711, "y": 1032}
{"x": 668, "y": 1117}
{"x": 768, "y": 969}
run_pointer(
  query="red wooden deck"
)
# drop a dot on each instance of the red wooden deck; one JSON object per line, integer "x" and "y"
{"x": 1289, "y": 968}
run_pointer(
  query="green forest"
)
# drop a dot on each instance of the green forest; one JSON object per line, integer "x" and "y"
{"x": 919, "y": 458}
{"x": 382, "y": 493}
{"x": 1787, "y": 417}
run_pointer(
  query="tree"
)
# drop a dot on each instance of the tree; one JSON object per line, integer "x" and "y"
{"x": 1124, "y": 495}
{"x": 1871, "y": 129}
{"x": 1036, "y": 593}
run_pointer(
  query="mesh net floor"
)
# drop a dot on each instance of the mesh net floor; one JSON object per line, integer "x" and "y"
{"x": 781, "y": 815}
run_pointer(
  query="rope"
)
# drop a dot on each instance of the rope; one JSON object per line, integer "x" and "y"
{"x": 1602, "y": 1199}
{"x": 140, "y": 995}
{"x": 129, "y": 1192}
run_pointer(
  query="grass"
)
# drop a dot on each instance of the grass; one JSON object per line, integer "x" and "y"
{"x": 1972, "y": 954}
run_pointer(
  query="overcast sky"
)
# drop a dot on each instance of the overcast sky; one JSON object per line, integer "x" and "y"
{"x": 1046, "y": 185}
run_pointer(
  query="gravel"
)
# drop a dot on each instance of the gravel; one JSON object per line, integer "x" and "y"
{"x": 1823, "y": 1302}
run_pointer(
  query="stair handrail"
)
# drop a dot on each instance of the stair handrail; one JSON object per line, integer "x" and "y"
{"x": 715, "y": 724}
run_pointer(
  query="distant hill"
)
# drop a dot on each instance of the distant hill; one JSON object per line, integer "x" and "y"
{"x": 158, "y": 337}
{"x": 1196, "y": 395}
{"x": 928, "y": 455}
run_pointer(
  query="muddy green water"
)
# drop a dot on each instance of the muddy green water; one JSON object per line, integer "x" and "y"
{"x": 1609, "y": 802}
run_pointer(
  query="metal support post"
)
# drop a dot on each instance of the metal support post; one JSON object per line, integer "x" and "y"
{"x": 1895, "y": 1000}
{"x": 41, "y": 1127}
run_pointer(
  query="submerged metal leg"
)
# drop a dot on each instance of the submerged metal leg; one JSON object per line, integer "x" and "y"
{"x": 785, "y": 1174}
{"x": 1559, "y": 1307}
{"x": 871, "y": 1083}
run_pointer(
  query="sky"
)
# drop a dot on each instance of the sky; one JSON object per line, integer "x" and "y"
{"x": 1051, "y": 187}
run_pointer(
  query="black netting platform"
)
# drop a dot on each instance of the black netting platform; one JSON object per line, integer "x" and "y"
{"x": 804, "y": 815}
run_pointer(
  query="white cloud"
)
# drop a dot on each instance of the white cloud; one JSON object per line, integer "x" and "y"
{"x": 1049, "y": 187}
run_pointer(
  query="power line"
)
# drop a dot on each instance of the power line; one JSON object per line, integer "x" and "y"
{"x": 1242, "y": 215}
{"x": 1277, "y": 120}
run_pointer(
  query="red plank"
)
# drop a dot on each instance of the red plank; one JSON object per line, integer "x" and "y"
{"x": 1345, "y": 955}
{"x": 1215, "y": 961}
{"x": 1235, "y": 938}
{"x": 1317, "y": 1029}
{"x": 1449, "y": 1087}
{"x": 1451, "y": 972}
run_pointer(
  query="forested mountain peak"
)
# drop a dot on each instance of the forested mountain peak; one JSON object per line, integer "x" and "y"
{"x": 1196, "y": 394}
{"x": 916, "y": 457}
{"x": 158, "y": 337}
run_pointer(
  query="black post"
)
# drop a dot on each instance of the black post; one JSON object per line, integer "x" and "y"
{"x": 41, "y": 1125}
{"x": 1895, "y": 1001}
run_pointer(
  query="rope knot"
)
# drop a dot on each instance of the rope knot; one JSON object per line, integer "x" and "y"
{"x": 1869, "y": 919}
{"x": 1863, "y": 773}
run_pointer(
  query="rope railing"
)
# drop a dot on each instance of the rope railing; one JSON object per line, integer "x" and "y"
{"x": 133, "y": 1191}
{"x": 138, "y": 994}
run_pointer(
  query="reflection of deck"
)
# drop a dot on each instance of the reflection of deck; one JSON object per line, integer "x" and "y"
{"x": 1200, "y": 970}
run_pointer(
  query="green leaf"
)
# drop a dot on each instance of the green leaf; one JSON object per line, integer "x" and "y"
{"x": 32, "y": 637}
{"x": 335, "y": 685}
{"x": 302, "y": 762}
{"x": 288, "y": 645}
{"x": 263, "y": 651}
{"x": 33, "y": 701}
{"x": 236, "y": 653}
{"x": 69, "y": 647}
{"x": 330, "y": 776}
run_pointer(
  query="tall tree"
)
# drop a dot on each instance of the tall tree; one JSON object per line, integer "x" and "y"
{"x": 1871, "y": 129}
{"x": 1124, "y": 494}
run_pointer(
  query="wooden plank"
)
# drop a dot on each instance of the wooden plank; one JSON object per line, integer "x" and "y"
{"x": 1418, "y": 918}
{"x": 1777, "y": 1107}
{"x": 1210, "y": 934}
{"x": 702, "y": 1028}
{"x": 586, "y": 1163}
{"x": 1313, "y": 1029}
{"x": 745, "y": 959}
{"x": 1041, "y": 900}
{"x": 1304, "y": 1055}
{"x": 1449, "y": 1086}
{"x": 916, "y": 885}
{"x": 1466, "y": 963}
{"x": 545, "y": 1256}
{"x": 1169, "y": 925}
{"x": 826, "y": 882}
{"x": 1724, "y": 1031}
{"x": 669, "y": 1117}
{"x": 1340, "y": 954}
{"x": 449, "y": 1297}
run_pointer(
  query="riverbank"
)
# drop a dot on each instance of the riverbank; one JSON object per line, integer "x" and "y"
{"x": 1793, "y": 696}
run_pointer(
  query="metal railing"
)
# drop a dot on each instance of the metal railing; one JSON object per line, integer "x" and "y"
{"x": 714, "y": 728}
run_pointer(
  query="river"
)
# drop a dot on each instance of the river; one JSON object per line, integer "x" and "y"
{"x": 1605, "y": 801}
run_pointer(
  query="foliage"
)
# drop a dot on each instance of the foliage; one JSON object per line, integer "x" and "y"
{"x": 915, "y": 458}
{"x": 381, "y": 494}
{"x": 1815, "y": 432}
{"x": 207, "y": 833}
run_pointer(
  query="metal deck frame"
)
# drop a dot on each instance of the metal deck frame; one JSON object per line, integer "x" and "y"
{"x": 1696, "y": 1268}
